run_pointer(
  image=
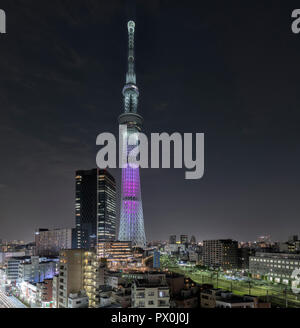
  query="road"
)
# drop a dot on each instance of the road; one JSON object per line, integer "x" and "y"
{"x": 9, "y": 301}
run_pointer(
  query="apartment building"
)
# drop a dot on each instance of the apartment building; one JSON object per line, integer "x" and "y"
{"x": 71, "y": 275}
{"x": 222, "y": 253}
{"x": 150, "y": 292}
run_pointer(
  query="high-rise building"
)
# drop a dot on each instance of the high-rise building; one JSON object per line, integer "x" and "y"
{"x": 172, "y": 239}
{"x": 51, "y": 242}
{"x": 81, "y": 274}
{"x": 106, "y": 229}
{"x": 222, "y": 253}
{"x": 184, "y": 239}
{"x": 193, "y": 240}
{"x": 293, "y": 238}
{"x": 95, "y": 208}
{"x": 156, "y": 259}
{"x": 131, "y": 217}
{"x": 71, "y": 275}
{"x": 94, "y": 272}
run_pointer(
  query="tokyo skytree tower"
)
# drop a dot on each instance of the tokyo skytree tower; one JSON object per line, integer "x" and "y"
{"x": 131, "y": 214}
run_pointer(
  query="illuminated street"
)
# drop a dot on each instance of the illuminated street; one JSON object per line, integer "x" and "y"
{"x": 278, "y": 294}
{"x": 10, "y": 301}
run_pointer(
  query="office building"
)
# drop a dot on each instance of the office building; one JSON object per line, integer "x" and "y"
{"x": 95, "y": 208}
{"x": 172, "y": 239}
{"x": 184, "y": 239}
{"x": 193, "y": 240}
{"x": 106, "y": 229}
{"x": 156, "y": 259}
{"x": 12, "y": 268}
{"x": 116, "y": 252}
{"x": 37, "y": 269}
{"x": 275, "y": 267}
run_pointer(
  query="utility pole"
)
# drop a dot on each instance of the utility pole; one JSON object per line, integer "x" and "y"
{"x": 286, "y": 301}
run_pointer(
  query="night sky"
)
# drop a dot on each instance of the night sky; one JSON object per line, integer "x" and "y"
{"x": 229, "y": 69}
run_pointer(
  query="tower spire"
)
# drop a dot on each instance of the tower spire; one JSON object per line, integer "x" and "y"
{"x": 131, "y": 77}
{"x": 131, "y": 91}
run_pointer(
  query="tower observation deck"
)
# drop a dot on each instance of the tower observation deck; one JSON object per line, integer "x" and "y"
{"x": 131, "y": 213}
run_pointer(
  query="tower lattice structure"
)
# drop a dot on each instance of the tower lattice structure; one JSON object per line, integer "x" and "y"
{"x": 131, "y": 213}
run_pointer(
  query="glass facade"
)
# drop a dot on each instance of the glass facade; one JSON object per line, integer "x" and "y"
{"x": 95, "y": 208}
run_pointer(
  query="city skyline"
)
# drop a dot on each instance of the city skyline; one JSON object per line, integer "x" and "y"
{"x": 235, "y": 81}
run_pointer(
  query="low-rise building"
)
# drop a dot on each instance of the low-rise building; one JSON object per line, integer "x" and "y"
{"x": 150, "y": 292}
{"x": 228, "y": 300}
{"x": 117, "y": 253}
{"x": 78, "y": 300}
{"x": 44, "y": 293}
{"x": 187, "y": 298}
{"x": 37, "y": 269}
{"x": 29, "y": 293}
{"x": 122, "y": 296}
{"x": 275, "y": 267}
{"x": 218, "y": 298}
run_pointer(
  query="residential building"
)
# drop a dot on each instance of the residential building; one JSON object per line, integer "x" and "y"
{"x": 55, "y": 291}
{"x": 222, "y": 253}
{"x": 150, "y": 292}
{"x": 44, "y": 293}
{"x": 78, "y": 300}
{"x": 94, "y": 277}
{"x": 51, "y": 242}
{"x": 71, "y": 275}
{"x": 122, "y": 295}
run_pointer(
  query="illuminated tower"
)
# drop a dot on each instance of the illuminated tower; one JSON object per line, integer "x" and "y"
{"x": 131, "y": 214}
